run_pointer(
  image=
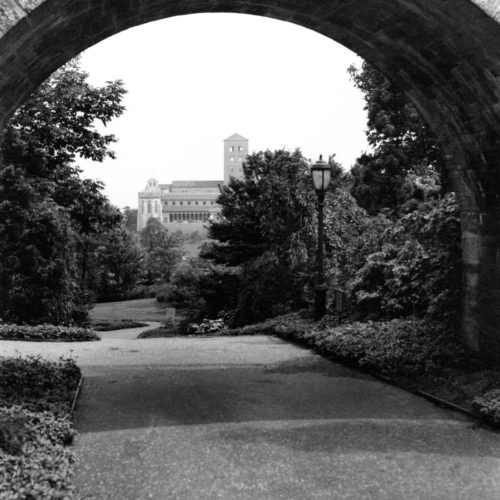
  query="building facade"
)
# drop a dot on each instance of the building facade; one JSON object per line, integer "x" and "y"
{"x": 187, "y": 206}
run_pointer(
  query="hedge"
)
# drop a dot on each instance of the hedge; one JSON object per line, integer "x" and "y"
{"x": 47, "y": 333}
{"x": 35, "y": 428}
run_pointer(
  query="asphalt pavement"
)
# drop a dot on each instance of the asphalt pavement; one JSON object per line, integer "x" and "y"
{"x": 258, "y": 418}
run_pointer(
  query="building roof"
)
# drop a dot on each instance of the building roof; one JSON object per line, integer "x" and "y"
{"x": 195, "y": 184}
{"x": 163, "y": 187}
{"x": 236, "y": 137}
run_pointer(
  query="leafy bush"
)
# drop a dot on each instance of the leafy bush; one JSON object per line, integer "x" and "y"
{"x": 47, "y": 333}
{"x": 417, "y": 272}
{"x": 396, "y": 347}
{"x": 35, "y": 426}
{"x": 203, "y": 289}
{"x": 488, "y": 405}
{"x": 39, "y": 465}
{"x": 107, "y": 325}
{"x": 207, "y": 327}
{"x": 38, "y": 384}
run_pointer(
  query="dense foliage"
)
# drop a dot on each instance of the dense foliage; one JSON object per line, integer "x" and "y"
{"x": 47, "y": 333}
{"x": 267, "y": 227}
{"x": 161, "y": 253}
{"x": 203, "y": 289}
{"x": 416, "y": 272}
{"x": 488, "y": 405}
{"x": 49, "y": 216}
{"x": 107, "y": 325}
{"x": 115, "y": 264}
{"x": 35, "y": 427}
{"x": 405, "y": 165}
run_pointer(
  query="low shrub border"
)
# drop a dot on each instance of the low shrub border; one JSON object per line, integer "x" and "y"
{"x": 47, "y": 333}
{"x": 105, "y": 325}
{"x": 36, "y": 400}
{"x": 416, "y": 355}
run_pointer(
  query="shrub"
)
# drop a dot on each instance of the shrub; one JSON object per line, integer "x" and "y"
{"x": 107, "y": 325}
{"x": 207, "y": 327}
{"x": 396, "y": 347}
{"x": 488, "y": 405}
{"x": 417, "y": 270}
{"x": 38, "y": 384}
{"x": 47, "y": 333}
{"x": 35, "y": 426}
{"x": 203, "y": 289}
{"x": 34, "y": 462}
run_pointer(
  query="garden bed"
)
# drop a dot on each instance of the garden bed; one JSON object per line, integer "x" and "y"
{"x": 108, "y": 325}
{"x": 36, "y": 399}
{"x": 47, "y": 333}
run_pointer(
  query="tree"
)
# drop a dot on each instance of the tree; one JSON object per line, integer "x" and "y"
{"x": 405, "y": 166}
{"x": 39, "y": 147}
{"x": 268, "y": 226}
{"x": 271, "y": 209}
{"x": 117, "y": 264}
{"x": 162, "y": 251}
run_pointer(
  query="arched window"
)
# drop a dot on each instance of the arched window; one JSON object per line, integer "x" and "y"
{"x": 149, "y": 206}
{"x": 171, "y": 217}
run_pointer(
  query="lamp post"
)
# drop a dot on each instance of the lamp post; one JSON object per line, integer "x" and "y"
{"x": 320, "y": 173}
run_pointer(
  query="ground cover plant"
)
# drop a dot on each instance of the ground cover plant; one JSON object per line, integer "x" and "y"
{"x": 416, "y": 354}
{"x": 107, "y": 325}
{"x": 47, "y": 333}
{"x": 35, "y": 403}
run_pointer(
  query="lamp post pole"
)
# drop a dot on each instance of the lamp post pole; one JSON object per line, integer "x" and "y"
{"x": 320, "y": 288}
{"x": 320, "y": 173}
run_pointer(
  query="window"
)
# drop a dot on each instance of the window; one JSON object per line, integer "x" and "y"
{"x": 173, "y": 203}
{"x": 143, "y": 206}
{"x": 181, "y": 203}
{"x": 196, "y": 203}
{"x": 149, "y": 206}
{"x": 204, "y": 203}
{"x": 231, "y": 149}
{"x": 156, "y": 206}
{"x": 240, "y": 148}
{"x": 232, "y": 158}
{"x": 239, "y": 159}
{"x": 189, "y": 203}
{"x": 171, "y": 217}
{"x": 211, "y": 203}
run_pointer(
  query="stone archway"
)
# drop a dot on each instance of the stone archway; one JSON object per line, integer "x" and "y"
{"x": 444, "y": 55}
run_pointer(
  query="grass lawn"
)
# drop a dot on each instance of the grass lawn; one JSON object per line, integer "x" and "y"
{"x": 139, "y": 310}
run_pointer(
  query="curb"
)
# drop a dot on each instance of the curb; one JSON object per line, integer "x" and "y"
{"x": 75, "y": 397}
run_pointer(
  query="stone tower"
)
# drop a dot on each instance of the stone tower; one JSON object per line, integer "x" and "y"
{"x": 235, "y": 152}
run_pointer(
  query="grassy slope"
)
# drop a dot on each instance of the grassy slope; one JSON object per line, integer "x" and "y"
{"x": 139, "y": 310}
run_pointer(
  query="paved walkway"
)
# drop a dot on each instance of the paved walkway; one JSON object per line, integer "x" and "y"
{"x": 257, "y": 418}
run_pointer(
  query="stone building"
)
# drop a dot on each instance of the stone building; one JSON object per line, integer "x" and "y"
{"x": 188, "y": 205}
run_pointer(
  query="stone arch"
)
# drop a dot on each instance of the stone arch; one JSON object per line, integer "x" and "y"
{"x": 444, "y": 55}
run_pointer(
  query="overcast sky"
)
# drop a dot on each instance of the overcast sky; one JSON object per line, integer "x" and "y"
{"x": 194, "y": 80}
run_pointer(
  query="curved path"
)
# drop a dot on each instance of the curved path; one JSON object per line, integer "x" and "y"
{"x": 257, "y": 418}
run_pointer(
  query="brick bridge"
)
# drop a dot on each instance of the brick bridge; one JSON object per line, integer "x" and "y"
{"x": 445, "y": 54}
